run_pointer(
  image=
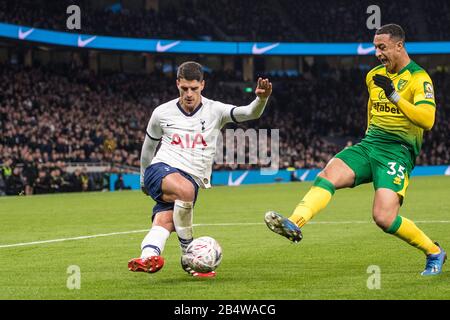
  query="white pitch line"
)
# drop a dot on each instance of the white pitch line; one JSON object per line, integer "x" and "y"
{"x": 68, "y": 239}
{"x": 195, "y": 225}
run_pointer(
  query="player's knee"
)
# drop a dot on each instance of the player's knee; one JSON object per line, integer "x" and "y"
{"x": 381, "y": 218}
{"x": 185, "y": 192}
{"x": 165, "y": 220}
{"x": 168, "y": 225}
{"x": 324, "y": 174}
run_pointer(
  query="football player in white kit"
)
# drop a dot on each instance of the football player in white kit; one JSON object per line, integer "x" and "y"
{"x": 187, "y": 128}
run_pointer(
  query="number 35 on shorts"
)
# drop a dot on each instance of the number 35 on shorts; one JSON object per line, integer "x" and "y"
{"x": 398, "y": 170}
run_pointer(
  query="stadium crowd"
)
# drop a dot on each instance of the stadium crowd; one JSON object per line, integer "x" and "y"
{"x": 270, "y": 20}
{"x": 50, "y": 118}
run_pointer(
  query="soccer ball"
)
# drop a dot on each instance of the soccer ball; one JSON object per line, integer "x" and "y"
{"x": 203, "y": 254}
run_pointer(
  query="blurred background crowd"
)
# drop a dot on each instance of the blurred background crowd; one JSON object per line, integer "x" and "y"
{"x": 54, "y": 117}
{"x": 235, "y": 20}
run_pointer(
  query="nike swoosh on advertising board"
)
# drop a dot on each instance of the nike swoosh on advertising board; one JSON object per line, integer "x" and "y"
{"x": 238, "y": 181}
{"x": 361, "y": 50}
{"x": 304, "y": 175}
{"x": 256, "y": 50}
{"x": 83, "y": 43}
{"x": 163, "y": 48}
{"x": 23, "y": 35}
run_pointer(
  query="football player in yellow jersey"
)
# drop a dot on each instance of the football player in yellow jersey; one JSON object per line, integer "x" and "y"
{"x": 400, "y": 107}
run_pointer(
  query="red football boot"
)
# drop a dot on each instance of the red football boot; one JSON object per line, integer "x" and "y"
{"x": 196, "y": 274}
{"x": 151, "y": 264}
{"x": 193, "y": 273}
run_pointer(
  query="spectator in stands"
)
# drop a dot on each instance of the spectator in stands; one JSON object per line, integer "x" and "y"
{"x": 42, "y": 183}
{"x": 119, "y": 184}
{"x": 63, "y": 120}
{"x": 30, "y": 173}
{"x": 232, "y": 19}
{"x": 57, "y": 181}
{"x": 75, "y": 180}
{"x": 293, "y": 174}
{"x": 14, "y": 183}
{"x": 85, "y": 182}
{"x": 6, "y": 169}
{"x": 2, "y": 186}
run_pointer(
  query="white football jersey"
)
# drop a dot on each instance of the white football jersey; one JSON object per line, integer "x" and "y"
{"x": 188, "y": 141}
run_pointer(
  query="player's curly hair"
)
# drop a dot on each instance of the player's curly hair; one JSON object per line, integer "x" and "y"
{"x": 392, "y": 29}
{"x": 190, "y": 70}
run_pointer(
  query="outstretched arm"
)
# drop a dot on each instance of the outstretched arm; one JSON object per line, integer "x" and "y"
{"x": 255, "y": 109}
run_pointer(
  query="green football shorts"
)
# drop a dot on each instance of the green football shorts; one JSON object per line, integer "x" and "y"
{"x": 387, "y": 165}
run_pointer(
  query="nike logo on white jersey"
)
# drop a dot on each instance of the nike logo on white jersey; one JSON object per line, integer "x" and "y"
{"x": 23, "y": 35}
{"x": 238, "y": 181}
{"x": 361, "y": 50}
{"x": 164, "y": 48}
{"x": 83, "y": 43}
{"x": 256, "y": 50}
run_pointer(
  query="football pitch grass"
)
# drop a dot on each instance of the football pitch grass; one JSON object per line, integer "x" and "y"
{"x": 331, "y": 262}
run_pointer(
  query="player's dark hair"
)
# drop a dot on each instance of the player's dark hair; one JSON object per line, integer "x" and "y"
{"x": 190, "y": 70}
{"x": 394, "y": 30}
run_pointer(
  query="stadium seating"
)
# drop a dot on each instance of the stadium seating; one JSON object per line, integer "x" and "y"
{"x": 58, "y": 115}
{"x": 51, "y": 117}
{"x": 271, "y": 20}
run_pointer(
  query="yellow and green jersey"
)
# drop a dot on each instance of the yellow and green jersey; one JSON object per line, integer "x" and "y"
{"x": 385, "y": 120}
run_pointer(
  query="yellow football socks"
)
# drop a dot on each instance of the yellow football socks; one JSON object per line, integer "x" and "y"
{"x": 314, "y": 201}
{"x": 407, "y": 230}
{"x": 320, "y": 195}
